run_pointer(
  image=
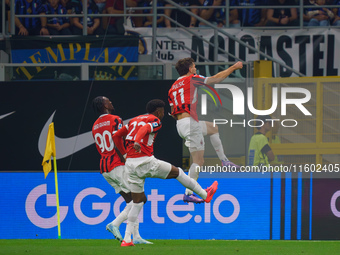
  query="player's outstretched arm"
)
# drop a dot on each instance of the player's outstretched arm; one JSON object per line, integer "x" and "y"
{"x": 223, "y": 74}
{"x": 118, "y": 139}
{"x": 121, "y": 157}
{"x": 141, "y": 133}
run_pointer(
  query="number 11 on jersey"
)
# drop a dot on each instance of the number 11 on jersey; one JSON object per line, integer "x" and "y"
{"x": 181, "y": 92}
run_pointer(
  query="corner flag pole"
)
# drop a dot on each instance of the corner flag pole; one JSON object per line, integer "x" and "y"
{"x": 50, "y": 151}
{"x": 57, "y": 194}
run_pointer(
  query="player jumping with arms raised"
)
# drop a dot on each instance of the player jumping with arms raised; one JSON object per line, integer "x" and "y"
{"x": 182, "y": 98}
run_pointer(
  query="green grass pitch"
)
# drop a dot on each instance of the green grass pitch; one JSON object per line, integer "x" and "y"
{"x": 171, "y": 247}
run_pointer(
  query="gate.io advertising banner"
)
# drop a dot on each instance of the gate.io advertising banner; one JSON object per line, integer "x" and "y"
{"x": 240, "y": 208}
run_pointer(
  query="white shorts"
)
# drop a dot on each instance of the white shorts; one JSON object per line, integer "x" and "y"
{"x": 117, "y": 178}
{"x": 204, "y": 127}
{"x": 145, "y": 167}
{"x": 191, "y": 131}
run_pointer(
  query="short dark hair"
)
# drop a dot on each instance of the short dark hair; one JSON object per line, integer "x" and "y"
{"x": 182, "y": 66}
{"x": 98, "y": 104}
{"x": 263, "y": 118}
{"x": 152, "y": 105}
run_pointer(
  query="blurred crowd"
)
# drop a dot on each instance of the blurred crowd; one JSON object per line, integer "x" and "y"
{"x": 212, "y": 11}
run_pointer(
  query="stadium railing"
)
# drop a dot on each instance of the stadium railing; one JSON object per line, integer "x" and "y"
{"x": 128, "y": 12}
{"x": 87, "y": 71}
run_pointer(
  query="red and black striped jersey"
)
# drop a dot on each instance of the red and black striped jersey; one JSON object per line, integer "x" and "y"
{"x": 182, "y": 95}
{"x": 103, "y": 129}
{"x": 142, "y": 129}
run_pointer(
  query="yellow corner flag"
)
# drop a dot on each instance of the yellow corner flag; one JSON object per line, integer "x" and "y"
{"x": 49, "y": 150}
{"x": 47, "y": 166}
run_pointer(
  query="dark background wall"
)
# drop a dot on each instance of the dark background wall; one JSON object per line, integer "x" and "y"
{"x": 33, "y": 103}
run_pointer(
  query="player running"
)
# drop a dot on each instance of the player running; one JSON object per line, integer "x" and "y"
{"x": 140, "y": 135}
{"x": 112, "y": 164}
{"x": 182, "y": 98}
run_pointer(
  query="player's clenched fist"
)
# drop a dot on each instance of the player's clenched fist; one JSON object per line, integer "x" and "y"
{"x": 238, "y": 65}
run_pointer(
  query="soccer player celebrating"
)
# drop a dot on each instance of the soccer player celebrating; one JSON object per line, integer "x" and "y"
{"x": 182, "y": 98}
{"x": 111, "y": 163}
{"x": 140, "y": 134}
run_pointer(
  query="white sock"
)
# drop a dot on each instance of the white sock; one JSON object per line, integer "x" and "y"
{"x": 132, "y": 217}
{"x": 193, "y": 173}
{"x": 217, "y": 144}
{"x": 123, "y": 215}
{"x": 191, "y": 184}
{"x": 128, "y": 231}
{"x": 136, "y": 234}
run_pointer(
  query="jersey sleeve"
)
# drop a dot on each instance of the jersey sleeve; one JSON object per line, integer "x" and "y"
{"x": 146, "y": 129}
{"x": 155, "y": 125}
{"x": 198, "y": 80}
{"x": 118, "y": 124}
{"x": 265, "y": 149}
{"x": 264, "y": 145}
{"x": 118, "y": 139}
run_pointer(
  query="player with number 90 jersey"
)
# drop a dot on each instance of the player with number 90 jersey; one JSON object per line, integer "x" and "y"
{"x": 147, "y": 127}
{"x": 182, "y": 95}
{"x": 103, "y": 129}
